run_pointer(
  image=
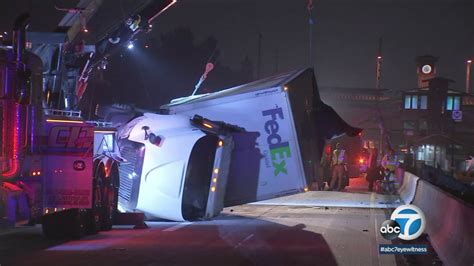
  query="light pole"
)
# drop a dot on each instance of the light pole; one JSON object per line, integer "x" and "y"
{"x": 378, "y": 66}
{"x": 378, "y": 72}
{"x": 468, "y": 75}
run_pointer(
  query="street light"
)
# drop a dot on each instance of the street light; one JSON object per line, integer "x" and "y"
{"x": 378, "y": 71}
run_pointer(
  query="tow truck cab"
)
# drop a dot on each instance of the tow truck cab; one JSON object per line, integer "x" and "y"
{"x": 175, "y": 168}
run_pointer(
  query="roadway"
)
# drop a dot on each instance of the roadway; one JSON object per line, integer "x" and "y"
{"x": 256, "y": 234}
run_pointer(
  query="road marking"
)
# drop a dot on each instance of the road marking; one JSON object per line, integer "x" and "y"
{"x": 372, "y": 200}
{"x": 376, "y": 229}
{"x": 245, "y": 239}
{"x": 176, "y": 227}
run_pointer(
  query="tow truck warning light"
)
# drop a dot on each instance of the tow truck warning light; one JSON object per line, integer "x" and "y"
{"x": 36, "y": 173}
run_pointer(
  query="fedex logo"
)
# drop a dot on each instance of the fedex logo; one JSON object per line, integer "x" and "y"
{"x": 71, "y": 137}
{"x": 279, "y": 150}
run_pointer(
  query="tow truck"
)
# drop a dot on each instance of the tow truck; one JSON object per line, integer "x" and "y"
{"x": 56, "y": 168}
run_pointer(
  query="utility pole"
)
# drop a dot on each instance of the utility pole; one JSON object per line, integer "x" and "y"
{"x": 259, "y": 55}
{"x": 378, "y": 76}
{"x": 310, "y": 7}
{"x": 468, "y": 76}
{"x": 384, "y": 136}
{"x": 378, "y": 68}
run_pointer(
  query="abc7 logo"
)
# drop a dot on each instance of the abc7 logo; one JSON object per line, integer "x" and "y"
{"x": 407, "y": 223}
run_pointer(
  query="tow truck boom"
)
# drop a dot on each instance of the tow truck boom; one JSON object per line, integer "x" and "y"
{"x": 140, "y": 21}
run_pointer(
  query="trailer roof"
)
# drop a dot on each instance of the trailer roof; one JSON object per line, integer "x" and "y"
{"x": 262, "y": 84}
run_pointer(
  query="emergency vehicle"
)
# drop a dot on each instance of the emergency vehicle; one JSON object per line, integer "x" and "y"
{"x": 56, "y": 168}
{"x": 47, "y": 170}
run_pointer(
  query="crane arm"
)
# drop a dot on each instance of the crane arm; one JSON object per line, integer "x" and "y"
{"x": 123, "y": 33}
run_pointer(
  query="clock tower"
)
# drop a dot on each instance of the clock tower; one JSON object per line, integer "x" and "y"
{"x": 426, "y": 69}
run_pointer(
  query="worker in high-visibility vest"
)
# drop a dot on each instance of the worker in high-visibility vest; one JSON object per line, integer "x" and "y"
{"x": 338, "y": 163}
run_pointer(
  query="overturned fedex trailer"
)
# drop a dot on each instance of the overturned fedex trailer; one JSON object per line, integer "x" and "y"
{"x": 286, "y": 125}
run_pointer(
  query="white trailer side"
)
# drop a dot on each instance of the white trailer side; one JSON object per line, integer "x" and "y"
{"x": 278, "y": 153}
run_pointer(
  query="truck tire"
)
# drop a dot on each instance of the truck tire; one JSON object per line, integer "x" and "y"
{"x": 70, "y": 223}
{"x": 50, "y": 230}
{"x": 78, "y": 223}
{"x": 95, "y": 216}
{"x": 110, "y": 196}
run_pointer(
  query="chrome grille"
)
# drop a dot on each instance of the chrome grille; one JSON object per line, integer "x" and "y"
{"x": 127, "y": 170}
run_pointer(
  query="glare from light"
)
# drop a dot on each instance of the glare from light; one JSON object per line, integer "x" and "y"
{"x": 64, "y": 121}
{"x": 469, "y": 61}
{"x": 213, "y": 189}
{"x": 130, "y": 46}
{"x": 104, "y": 131}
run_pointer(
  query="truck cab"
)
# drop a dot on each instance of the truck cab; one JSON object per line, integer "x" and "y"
{"x": 175, "y": 168}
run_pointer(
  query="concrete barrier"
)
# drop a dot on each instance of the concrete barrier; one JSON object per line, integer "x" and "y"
{"x": 449, "y": 224}
{"x": 408, "y": 188}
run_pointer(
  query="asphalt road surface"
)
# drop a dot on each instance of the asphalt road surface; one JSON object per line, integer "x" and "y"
{"x": 243, "y": 235}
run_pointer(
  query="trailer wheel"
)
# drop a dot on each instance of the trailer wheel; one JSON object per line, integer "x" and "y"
{"x": 110, "y": 197}
{"x": 95, "y": 214}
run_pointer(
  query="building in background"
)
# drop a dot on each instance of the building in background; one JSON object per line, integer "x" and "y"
{"x": 438, "y": 125}
{"x": 431, "y": 124}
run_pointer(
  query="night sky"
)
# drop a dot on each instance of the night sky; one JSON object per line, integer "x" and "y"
{"x": 346, "y": 34}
